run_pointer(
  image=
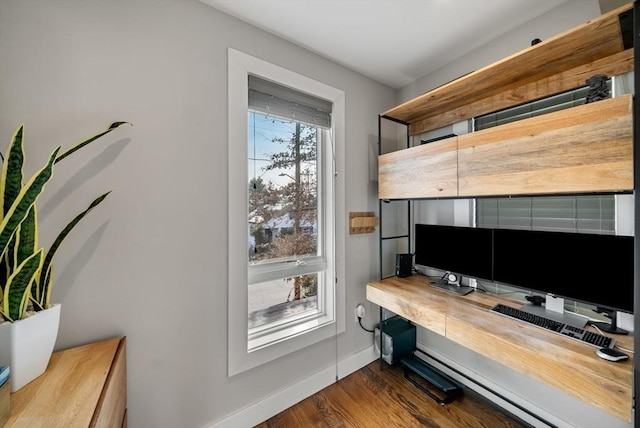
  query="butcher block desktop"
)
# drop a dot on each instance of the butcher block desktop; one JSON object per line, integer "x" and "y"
{"x": 570, "y": 366}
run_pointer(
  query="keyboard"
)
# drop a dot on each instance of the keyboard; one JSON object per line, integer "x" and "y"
{"x": 585, "y": 336}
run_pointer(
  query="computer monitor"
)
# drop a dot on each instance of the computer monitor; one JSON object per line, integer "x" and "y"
{"x": 462, "y": 250}
{"x": 589, "y": 268}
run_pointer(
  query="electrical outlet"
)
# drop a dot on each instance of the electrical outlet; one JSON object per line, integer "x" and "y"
{"x": 360, "y": 312}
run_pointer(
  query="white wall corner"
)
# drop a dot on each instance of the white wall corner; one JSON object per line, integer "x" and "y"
{"x": 282, "y": 400}
{"x": 356, "y": 361}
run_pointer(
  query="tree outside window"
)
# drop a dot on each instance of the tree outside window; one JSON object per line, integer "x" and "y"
{"x": 283, "y": 203}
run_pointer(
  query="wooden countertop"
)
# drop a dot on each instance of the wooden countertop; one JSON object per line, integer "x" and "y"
{"x": 558, "y": 361}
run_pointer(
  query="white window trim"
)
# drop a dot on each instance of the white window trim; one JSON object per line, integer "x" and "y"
{"x": 240, "y": 65}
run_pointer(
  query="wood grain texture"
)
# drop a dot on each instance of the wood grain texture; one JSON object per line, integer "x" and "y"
{"x": 362, "y": 222}
{"x": 5, "y": 408}
{"x": 560, "y": 362}
{"x": 562, "y": 81}
{"x": 371, "y": 397}
{"x": 588, "y": 148}
{"x": 586, "y": 43}
{"x": 67, "y": 394}
{"x": 110, "y": 411}
{"x": 428, "y": 170}
{"x": 420, "y": 307}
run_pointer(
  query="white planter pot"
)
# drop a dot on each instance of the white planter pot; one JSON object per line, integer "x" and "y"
{"x": 26, "y": 345}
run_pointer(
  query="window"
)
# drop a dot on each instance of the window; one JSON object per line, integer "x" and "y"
{"x": 285, "y": 257}
{"x": 580, "y": 214}
{"x": 601, "y": 214}
{"x": 289, "y": 180}
{"x": 556, "y": 102}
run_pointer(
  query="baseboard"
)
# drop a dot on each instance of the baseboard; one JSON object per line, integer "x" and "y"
{"x": 274, "y": 404}
{"x": 356, "y": 361}
{"x": 489, "y": 390}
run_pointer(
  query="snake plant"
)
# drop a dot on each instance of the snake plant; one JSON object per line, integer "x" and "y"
{"x": 26, "y": 270}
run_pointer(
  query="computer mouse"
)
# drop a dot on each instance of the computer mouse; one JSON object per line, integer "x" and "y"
{"x": 611, "y": 354}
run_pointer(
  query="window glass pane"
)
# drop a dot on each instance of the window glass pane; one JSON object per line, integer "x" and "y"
{"x": 556, "y": 102}
{"x": 514, "y": 213}
{"x": 597, "y": 214}
{"x": 283, "y": 189}
{"x": 581, "y": 213}
{"x": 276, "y": 300}
{"x": 554, "y": 213}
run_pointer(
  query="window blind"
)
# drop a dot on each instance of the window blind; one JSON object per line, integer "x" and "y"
{"x": 579, "y": 214}
{"x": 535, "y": 108}
{"x": 280, "y": 101}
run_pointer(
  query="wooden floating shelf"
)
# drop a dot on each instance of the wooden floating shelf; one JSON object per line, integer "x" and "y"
{"x": 555, "y": 65}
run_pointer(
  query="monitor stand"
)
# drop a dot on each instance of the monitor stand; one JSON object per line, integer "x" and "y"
{"x": 611, "y": 327}
{"x": 457, "y": 289}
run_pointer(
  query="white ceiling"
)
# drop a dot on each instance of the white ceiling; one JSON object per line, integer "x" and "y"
{"x": 392, "y": 41}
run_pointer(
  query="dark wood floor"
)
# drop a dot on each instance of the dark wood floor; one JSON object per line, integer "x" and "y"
{"x": 373, "y": 398}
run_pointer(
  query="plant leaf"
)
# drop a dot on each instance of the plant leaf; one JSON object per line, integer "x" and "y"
{"x": 11, "y": 179}
{"x": 27, "y": 236}
{"x": 4, "y": 270}
{"x": 11, "y": 253}
{"x": 27, "y": 244}
{"x": 17, "y": 290}
{"x": 25, "y": 199}
{"x": 36, "y": 305}
{"x": 45, "y": 280}
{"x": 81, "y": 144}
{"x": 47, "y": 288}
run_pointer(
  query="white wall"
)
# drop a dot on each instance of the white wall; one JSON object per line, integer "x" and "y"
{"x": 556, "y": 407}
{"x": 562, "y": 18}
{"x": 151, "y": 262}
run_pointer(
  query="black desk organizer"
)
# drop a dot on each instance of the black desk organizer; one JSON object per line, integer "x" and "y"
{"x": 398, "y": 342}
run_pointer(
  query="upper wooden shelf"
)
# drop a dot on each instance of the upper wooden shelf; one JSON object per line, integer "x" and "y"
{"x": 583, "y": 149}
{"x": 563, "y": 62}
